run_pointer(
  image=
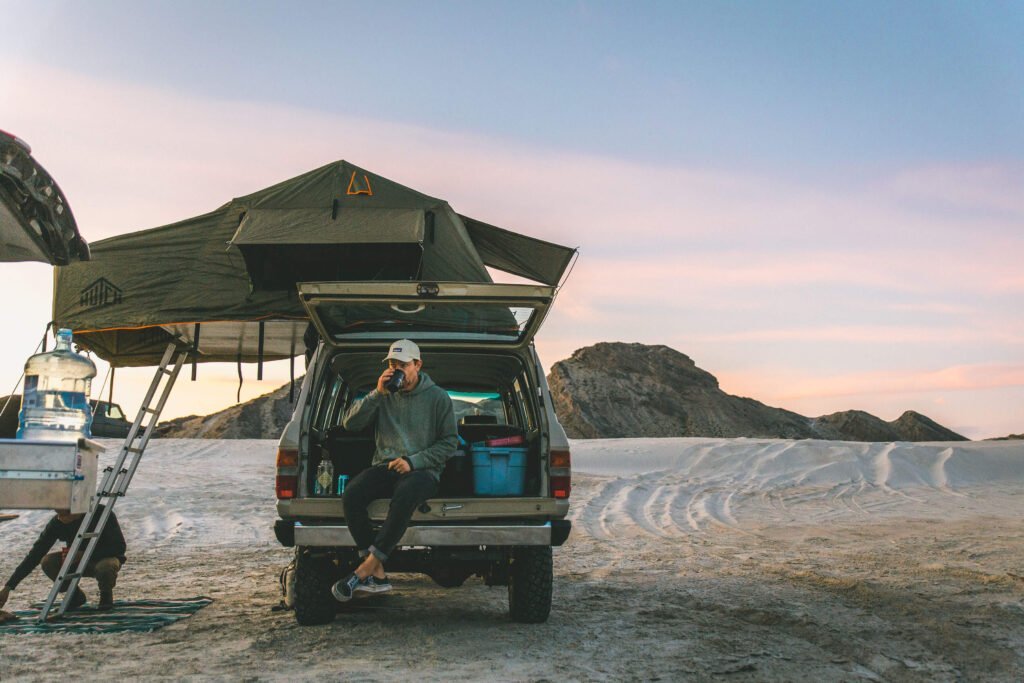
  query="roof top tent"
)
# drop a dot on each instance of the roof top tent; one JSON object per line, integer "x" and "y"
{"x": 36, "y": 223}
{"x": 230, "y": 276}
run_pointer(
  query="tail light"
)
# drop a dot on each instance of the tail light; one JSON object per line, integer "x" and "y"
{"x": 287, "y": 482}
{"x": 561, "y": 474}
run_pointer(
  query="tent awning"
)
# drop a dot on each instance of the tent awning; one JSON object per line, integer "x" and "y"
{"x": 225, "y": 341}
{"x": 520, "y": 255}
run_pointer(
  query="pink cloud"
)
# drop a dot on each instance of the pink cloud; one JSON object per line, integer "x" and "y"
{"x": 160, "y": 150}
{"x": 988, "y": 187}
{"x": 871, "y": 334}
{"x": 787, "y": 385}
{"x": 697, "y": 275}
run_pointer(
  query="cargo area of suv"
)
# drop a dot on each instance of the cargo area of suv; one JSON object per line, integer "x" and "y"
{"x": 504, "y": 494}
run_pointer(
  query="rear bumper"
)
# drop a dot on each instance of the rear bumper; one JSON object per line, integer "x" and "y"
{"x": 329, "y": 535}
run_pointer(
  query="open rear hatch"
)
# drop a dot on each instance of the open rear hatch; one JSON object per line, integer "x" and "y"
{"x": 448, "y": 315}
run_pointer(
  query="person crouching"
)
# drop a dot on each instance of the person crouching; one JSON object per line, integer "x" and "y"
{"x": 107, "y": 557}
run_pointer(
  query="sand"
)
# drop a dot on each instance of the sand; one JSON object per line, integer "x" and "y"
{"x": 690, "y": 559}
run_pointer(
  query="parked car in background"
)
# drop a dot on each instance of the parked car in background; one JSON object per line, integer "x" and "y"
{"x": 108, "y": 420}
{"x": 9, "y": 408}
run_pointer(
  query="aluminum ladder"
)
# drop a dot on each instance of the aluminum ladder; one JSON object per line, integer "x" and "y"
{"x": 116, "y": 478}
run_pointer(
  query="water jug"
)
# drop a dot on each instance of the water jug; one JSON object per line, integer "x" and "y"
{"x": 55, "y": 405}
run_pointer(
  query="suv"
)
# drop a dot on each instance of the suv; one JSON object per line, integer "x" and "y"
{"x": 497, "y": 518}
{"x": 108, "y": 420}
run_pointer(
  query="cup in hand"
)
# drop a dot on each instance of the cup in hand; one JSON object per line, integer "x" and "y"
{"x": 395, "y": 382}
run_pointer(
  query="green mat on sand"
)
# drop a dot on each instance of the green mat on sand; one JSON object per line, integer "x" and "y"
{"x": 127, "y": 615}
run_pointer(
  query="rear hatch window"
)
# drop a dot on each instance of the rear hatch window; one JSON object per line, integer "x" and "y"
{"x": 453, "y": 313}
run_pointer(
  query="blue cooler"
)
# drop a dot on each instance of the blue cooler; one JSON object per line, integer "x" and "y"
{"x": 498, "y": 470}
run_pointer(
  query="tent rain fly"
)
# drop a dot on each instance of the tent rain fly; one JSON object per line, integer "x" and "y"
{"x": 233, "y": 271}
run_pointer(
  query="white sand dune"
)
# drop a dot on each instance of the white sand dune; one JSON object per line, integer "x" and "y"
{"x": 690, "y": 559}
{"x": 669, "y": 487}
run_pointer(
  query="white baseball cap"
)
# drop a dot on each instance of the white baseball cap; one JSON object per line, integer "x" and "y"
{"x": 403, "y": 350}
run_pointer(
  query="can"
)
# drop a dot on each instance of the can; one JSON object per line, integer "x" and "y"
{"x": 342, "y": 480}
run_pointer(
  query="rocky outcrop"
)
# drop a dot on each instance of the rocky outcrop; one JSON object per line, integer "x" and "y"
{"x": 263, "y": 417}
{"x": 614, "y": 390}
{"x": 856, "y": 425}
{"x": 912, "y": 426}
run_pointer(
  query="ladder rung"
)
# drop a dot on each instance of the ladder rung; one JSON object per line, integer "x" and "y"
{"x": 152, "y": 411}
{"x": 91, "y": 534}
{"x": 76, "y": 575}
{"x": 133, "y": 449}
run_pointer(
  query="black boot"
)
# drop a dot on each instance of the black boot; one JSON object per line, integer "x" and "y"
{"x": 77, "y": 600}
{"x": 106, "y": 599}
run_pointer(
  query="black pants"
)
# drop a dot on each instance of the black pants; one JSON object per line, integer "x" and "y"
{"x": 407, "y": 492}
{"x": 104, "y": 569}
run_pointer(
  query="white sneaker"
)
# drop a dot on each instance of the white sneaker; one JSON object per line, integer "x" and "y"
{"x": 371, "y": 584}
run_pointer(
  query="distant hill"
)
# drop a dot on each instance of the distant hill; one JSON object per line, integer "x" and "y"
{"x": 264, "y": 417}
{"x": 1011, "y": 437}
{"x": 618, "y": 390}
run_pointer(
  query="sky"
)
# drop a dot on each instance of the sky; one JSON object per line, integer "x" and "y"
{"x": 821, "y": 203}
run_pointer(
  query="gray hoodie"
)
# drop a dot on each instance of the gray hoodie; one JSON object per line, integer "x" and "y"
{"x": 418, "y": 425}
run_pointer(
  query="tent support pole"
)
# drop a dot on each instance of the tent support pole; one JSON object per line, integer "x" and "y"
{"x": 110, "y": 392}
{"x": 195, "y": 349}
{"x": 259, "y": 361}
{"x": 291, "y": 370}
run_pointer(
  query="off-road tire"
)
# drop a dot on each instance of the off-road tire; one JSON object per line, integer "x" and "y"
{"x": 314, "y": 577}
{"x": 529, "y": 584}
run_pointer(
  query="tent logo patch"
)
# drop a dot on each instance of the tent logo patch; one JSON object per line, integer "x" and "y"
{"x": 100, "y": 293}
{"x": 355, "y": 186}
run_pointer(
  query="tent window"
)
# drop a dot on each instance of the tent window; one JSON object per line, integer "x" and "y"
{"x": 280, "y": 266}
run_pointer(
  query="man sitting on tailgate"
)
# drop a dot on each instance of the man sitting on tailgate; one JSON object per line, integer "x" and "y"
{"x": 415, "y": 435}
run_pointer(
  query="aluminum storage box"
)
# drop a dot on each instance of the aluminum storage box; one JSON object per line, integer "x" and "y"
{"x": 48, "y": 475}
